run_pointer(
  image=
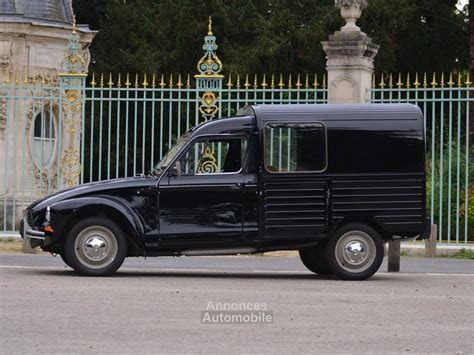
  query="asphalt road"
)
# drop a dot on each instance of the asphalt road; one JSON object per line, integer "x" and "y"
{"x": 157, "y": 305}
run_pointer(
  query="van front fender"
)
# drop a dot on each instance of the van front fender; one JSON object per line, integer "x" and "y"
{"x": 66, "y": 213}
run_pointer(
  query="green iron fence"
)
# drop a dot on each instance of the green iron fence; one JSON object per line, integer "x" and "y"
{"x": 446, "y": 109}
{"x": 127, "y": 126}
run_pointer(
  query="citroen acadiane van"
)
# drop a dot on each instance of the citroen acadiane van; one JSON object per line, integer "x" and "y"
{"x": 332, "y": 181}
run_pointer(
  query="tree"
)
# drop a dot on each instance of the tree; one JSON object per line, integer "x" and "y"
{"x": 269, "y": 35}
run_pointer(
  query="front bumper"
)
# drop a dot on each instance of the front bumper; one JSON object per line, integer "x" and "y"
{"x": 32, "y": 237}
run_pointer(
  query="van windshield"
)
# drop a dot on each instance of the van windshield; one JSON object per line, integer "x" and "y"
{"x": 170, "y": 154}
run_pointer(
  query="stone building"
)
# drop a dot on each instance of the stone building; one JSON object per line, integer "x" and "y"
{"x": 34, "y": 36}
{"x": 35, "y": 39}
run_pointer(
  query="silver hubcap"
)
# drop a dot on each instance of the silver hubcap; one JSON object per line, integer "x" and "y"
{"x": 96, "y": 247}
{"x": 355, "y": 251}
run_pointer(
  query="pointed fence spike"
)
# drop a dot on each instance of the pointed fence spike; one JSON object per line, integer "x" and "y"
{"x": 468, "y": 81}
{"x": 247, "y": 84}
{"x": 399, "y": 83}
{"x": 110, "y": 83}
{"x": 93, "y": 82}
{"x": 264, "y": 82}
{"x": 298, "y": 81}
{"x": 128, "y": 83}
{"x": 450, "y": 82}
{"x": 417, "y": 83}
{"x": 281, "y": 84}
{"x": 382, "y": 81}
{"x": 433, "y": 82}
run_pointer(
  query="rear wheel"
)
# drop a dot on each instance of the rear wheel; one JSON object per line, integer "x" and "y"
{"x": 355, "y": 252}
{"x": 315, "y": 259}
{"x": 95, "y": 247}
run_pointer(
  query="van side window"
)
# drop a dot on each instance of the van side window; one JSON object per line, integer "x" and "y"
{"x": 295, "y": 147}
{"x": 214, "y": 156}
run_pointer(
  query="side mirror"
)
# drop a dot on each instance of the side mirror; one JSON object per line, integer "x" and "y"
{"x": 176, "y": 169}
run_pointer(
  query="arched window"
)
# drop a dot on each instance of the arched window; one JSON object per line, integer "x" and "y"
{"x": 43, "y": 138}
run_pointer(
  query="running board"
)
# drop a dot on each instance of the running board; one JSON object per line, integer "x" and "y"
{"x": 226, "y": 251}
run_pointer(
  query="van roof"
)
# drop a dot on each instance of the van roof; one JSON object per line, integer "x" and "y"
{"x": 334, "y": 111}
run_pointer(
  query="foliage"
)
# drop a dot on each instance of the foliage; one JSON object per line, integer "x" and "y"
{"x": 464, "y": 254}
{"x": 444, "y": 172}
{"x": 268, "y": 36}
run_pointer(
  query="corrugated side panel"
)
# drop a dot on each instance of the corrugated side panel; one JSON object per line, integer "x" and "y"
{"x": 295, "y": 206}
{"x": 396, "y": 203}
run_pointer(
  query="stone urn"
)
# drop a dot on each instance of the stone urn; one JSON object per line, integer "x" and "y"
{"x": 351, "y": 11}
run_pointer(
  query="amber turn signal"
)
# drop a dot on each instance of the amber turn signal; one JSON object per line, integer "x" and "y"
{"x": 48, "y": 229}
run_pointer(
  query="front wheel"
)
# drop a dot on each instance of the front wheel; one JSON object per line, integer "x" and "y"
{"x": 355, "y": 252}
{"x": 95, "y": 247}
{"x": 63, "y": 258}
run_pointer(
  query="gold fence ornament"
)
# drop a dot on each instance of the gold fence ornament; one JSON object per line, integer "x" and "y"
{"x": 208, "y": 164}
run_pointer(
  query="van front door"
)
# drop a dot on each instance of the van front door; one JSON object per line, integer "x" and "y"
{"x": 201, "y": 201}
{"x": 294, "y": 190}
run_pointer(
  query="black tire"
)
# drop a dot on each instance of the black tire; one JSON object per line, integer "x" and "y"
{"x": 315, "y": 259}
{"x": 95, "y": 247}
{"x": 63, "y": 257}
{"x": 355, "y": 252}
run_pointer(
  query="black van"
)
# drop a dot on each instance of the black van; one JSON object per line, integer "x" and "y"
{"x": 332, "y": 181}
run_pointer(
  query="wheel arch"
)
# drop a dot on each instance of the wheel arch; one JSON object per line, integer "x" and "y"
{"x": 66, "y": 213}
{"x": 364, "y": 219}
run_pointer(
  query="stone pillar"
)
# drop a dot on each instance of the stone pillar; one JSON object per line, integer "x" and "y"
{"x": 350, "y": 57}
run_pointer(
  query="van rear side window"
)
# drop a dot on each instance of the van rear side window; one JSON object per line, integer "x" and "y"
{"x": 295, "y": 147}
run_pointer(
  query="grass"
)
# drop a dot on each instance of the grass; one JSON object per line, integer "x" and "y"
{"x": 461, "y": 254}
{"x": 14, "y": 246}
{"x": 10, "y": 246}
